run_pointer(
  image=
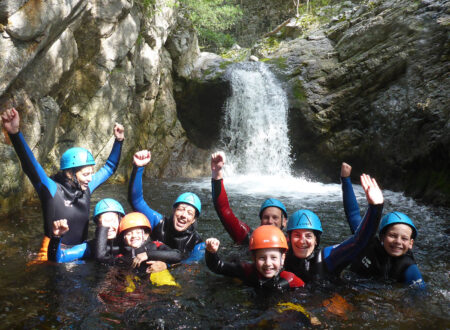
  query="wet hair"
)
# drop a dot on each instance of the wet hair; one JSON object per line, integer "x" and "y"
{"x": 62, "y": 177}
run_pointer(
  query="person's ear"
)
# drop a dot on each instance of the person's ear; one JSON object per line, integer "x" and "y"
{"x": 411, "y": 243}
{"x": 283, "y": 257}
{"x": 284, "y": 222}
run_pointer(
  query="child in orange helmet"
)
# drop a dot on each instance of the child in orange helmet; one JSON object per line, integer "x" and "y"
{"x": 268, "y": 247}
{"x": 136, "y": 245}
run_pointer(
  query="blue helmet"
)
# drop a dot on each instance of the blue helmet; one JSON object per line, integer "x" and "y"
{"x": 76, "y": 157}
{"x": 304, "y": 219}
{"x": 272, "y": 202}
{"x": 191, "y": 199}
{"x": 108, "y": 205}
{"x": 397, "y": 217}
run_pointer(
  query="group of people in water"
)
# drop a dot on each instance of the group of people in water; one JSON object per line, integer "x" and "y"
{"x": 150, "y": 242}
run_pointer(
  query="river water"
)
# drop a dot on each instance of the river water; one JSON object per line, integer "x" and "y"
{"x": 88, "y": 295}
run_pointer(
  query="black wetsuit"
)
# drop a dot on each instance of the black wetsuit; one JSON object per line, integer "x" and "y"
{"x": 250, "y": 276}
{"x": 61, "y": 200}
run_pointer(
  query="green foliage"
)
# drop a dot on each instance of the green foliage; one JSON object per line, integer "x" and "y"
{"x": 212, "y": 19}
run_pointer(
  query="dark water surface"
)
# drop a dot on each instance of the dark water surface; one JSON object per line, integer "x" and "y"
{"x": 87, "y": 295}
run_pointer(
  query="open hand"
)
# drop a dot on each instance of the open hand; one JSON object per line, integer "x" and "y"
{"x": 212, "y": 245}
{"x": 139, "y": 259}
{"x": 60, "y": 227}
{"x": 119, "y": 132}
{"x": 155, "y": 266}
{"x": 373, "y": 192}
{"x": 11, "y": 120}
{"x": 217, "y": 163}
{"x": 142, "y": 158}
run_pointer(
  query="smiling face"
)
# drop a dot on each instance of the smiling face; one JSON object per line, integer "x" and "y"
{"x": 135, "y": 237}
{"x": 273, "y": 216}
{"x": 397, "y": 239}
{"x": 83, "y": 176}
{"x": 183, "y": 216}
{"x": 303, "y": 242}
{"x": 268, "y": 262}
{"x": 111, "y": 220}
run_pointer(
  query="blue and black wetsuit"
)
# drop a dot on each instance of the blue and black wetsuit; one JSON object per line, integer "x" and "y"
{"x": 373, "y": 261}
{"x": 328, "y": 262}
{"x": 61, "y": 200}
{"x": 188, "y": 242}
{"x": 250, "y": 276}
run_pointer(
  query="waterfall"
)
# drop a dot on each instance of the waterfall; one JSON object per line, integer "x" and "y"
{"x": 254, "y": 134}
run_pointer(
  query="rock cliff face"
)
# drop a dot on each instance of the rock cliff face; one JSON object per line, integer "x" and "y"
{"x": 75, "y": 67}
{"x": 371, "y": 88}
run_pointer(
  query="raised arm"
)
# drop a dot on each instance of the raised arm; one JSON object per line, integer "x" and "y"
{"x": 31, "y": 167}
{"x": 351, "y": 206}
{"x": 337, "y": 257}
{"x": 135, "y": 192}
{"x": 112, "y": 162}
{"x": 216, "y": 265}
{"x": 238, "y": 230}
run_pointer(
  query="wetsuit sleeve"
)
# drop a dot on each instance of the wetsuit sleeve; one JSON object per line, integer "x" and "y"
{"x": 101, "y": 250}
{"x": 136, "y": 197}
{"x": 413, "y": 277}
{"x": 58, "y": 254}
{"x": 30, "y": 165}
{"x": 238, "y": 230}
{"x": 292, "y": 279}
{"x": 216, "y": 265}
{"x": 165, "y": 254}
{"x": 109, "y": 168}
{"x": 197, "y": 254}
{"x": 337, "y": 257}
{"x": 351, "y": 206}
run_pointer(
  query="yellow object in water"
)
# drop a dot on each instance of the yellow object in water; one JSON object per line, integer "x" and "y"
{"x": 130, "y": 283}
{"x": 282, "y": 307}
{"x": 163, "y": 278}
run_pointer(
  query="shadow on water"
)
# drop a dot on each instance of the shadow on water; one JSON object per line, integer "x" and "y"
{"x": 87, "y": 295}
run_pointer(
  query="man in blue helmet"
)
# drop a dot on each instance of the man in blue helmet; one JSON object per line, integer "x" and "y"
{"x": 272, "y": 211}
{"x": 388, "y": 256}
{"x": 67, "y": 194}
{"x": 177, "y": 231}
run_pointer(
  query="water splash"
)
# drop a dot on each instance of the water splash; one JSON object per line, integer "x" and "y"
{"x": 254, "y": 134}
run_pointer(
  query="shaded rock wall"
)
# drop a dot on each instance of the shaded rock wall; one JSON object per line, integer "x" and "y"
{"x": 75, "y": 67}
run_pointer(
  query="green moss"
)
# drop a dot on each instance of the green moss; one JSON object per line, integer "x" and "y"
{"x": 299, "y": 91}
{"x": 225, "y": 64}
{"x": 280, "y": 62}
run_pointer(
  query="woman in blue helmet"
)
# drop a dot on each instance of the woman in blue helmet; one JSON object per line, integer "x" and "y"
{"x": 310, "y": 262}
{"x": 388, "y": 256}
{"x": 67, "y": 194}
{"x": 272, "y": 211}
{"x": 107, "y": 216}
{"x": 178, "y": 231}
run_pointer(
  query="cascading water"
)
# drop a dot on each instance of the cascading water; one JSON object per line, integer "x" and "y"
{"x": 254, "y": 134}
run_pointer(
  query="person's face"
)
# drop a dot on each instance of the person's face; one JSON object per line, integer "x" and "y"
{"x": 183, "y": 216}
{"x": 273, "y": 216}
{"x": 303, "y": 242}
{"x": 269, "y": 262}
{"x": 135, "y": 237}
{"x": 397, "y": 239}
{"x": 111, "y": 220}
{"x": 84, "y": 176}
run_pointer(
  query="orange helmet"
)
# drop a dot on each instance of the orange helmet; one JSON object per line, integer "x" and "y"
{"x": 266, "y": 237}
{"x": 133, "y": 220}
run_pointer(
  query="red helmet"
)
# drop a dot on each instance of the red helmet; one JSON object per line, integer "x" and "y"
{"x": 266, "y": 237}
{"x": 133, "y": 220}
